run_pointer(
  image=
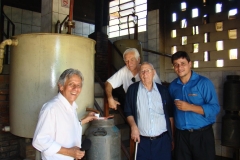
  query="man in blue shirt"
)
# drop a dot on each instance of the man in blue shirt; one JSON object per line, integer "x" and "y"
{"x": 196, "y": 108}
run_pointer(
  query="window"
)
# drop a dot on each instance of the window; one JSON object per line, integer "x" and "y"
{"x": 206, "y": 37}
{"x": 219, "y": 45}
{"x": 174, "y": 49}
{"x": 206, "y": 56}
{"x": 219, "y": 26}
{"x": 233, "y": 54}
{"x": 174, "y": 33}
{"x": 184, "y": 40}
{"x": 183, "y": 6}
{"x": 195, "y": 64}
{"x": 218, "y": 7}
{"x": 195, "y": 30}
{"x": 205, "y": 19}
{"x": 174, "y": 17}
{"x": 195, "y": 47}
{"x": 220, "y": 63}
{"x": 232, "y": 14}
{"x": 184, "y": 23}
{"x": 124, "y": 15}
{"x": 194, "y": 12}
{"x": 232, "y": 34}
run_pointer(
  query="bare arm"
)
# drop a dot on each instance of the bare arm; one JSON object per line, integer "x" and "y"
{"x": 112, "y": 103}
{"x": 185, "y": 106}
{"x": 74, "y": 152}
{"x": 135, "y": 135}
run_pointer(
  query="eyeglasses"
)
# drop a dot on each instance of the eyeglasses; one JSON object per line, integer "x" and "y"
{"x": 147, "y": 71}
{"x": 133, "y": 79}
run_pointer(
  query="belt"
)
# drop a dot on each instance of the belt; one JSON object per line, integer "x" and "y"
{"x": 200, "y": 129}
{"x": 155, "y": 137}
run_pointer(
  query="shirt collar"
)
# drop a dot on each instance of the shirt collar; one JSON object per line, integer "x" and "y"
{"x": 67, "y": 105}
{"x": 154, "y": 87}
{"x": 194, "y": 76}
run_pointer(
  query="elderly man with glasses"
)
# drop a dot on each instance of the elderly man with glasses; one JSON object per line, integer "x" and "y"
{"x": 149, "y": 112}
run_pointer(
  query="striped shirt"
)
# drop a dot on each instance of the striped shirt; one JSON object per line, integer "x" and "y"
{"x": 150, "y": 114}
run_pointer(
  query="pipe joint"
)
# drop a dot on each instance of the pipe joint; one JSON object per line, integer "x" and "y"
{"x": 6, "y": 129}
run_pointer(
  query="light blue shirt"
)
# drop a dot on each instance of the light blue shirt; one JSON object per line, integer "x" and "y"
{"x": 150, "y": 112}
{"x": 200, "y": 91}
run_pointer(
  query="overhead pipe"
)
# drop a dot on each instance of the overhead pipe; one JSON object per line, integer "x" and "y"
{"x": 9, "y": 42}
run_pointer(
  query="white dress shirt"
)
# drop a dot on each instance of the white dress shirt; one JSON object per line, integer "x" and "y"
{"x": 150, "y": 113}
{"x": 58, "y": 126}
{"x": 124, "y": 77}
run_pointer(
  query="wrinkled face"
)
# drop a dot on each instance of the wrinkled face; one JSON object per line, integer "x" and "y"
{"x": 146, "y": 73}
{"x": 71, "y": 88}
{"x": 131, "y": 61}
{"x": 182, "y": 67}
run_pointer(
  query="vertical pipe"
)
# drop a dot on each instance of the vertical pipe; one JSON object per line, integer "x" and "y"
{"x": 71, "y": 10}
{"x": 1, "y": 21}
{"x": 136, "y": 28}
{"x": 70, "y": 24}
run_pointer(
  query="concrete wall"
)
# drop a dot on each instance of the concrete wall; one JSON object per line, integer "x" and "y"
{"x": 206, "y": 68}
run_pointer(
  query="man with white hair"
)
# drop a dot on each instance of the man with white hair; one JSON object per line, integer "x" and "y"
{"x": 58, "y": 134}
{"x": 126, "y": 76}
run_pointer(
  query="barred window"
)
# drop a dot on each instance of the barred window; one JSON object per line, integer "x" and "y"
{"x": 124, "y": 15}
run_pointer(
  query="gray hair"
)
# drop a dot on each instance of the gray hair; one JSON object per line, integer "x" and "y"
{"x": 148, "y": 64}
{"x": 136, "y": 53}
{"x": 68, "y": 73}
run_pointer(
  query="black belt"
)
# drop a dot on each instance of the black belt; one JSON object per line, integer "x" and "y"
{"x": 156, "y": 137}
{"x": 200, "y": 129}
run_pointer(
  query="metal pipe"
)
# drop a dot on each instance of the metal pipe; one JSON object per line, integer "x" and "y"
{"x": 71, "y": 10}
{"x": 70, "y": 24}
{"x": 13, "y": 42}
{"x": 6, "y": 129}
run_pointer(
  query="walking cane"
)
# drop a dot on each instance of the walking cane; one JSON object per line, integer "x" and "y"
{"x": 136, "y": 147}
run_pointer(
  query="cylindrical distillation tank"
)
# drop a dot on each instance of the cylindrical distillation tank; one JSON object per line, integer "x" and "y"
{"x": 36, "y": 64}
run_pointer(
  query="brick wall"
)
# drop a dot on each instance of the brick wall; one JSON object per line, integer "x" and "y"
{"x": 8, "y": 143}
{"x": 11, "y": 147}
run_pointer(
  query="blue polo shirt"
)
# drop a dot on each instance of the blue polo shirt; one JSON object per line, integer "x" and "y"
{"x": 200, "y": 91}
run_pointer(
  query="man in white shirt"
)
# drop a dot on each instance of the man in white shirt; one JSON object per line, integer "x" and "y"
{"x": 58, "y": 134}
{"x": 126, "y": 76}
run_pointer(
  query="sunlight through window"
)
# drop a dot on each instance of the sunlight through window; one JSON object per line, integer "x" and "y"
{"x": 233, "y": 54}
{"x": 220, "y": 63}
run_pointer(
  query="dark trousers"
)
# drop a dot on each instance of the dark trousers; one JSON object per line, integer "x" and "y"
{"x": 196, "y": 145}
{"x": 157, "y": 149}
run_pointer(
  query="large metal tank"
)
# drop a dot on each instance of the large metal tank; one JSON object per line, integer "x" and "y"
{"x": 231, "y": 92}
{"x": 36, "y": 64}
{"x": 106, "y": 140}
{"x": 231, "y": 129}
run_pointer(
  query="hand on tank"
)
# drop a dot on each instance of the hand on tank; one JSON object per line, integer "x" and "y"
{"x": 90, "y": 116}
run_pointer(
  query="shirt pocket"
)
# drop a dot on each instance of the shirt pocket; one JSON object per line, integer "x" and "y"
{"x": 194, "y": 96}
